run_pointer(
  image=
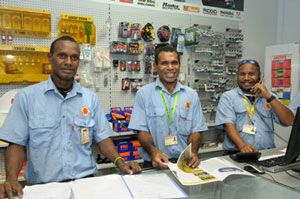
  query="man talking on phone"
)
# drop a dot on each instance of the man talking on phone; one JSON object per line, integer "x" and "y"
{"x": 247, "y": 112}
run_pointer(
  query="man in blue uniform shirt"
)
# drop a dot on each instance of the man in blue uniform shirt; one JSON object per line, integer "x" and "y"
{"x": 295, "y": 103}
{"x": 52, "y": 125}
{"x": 247, "y": 112}
{"x": 167, "y": 115}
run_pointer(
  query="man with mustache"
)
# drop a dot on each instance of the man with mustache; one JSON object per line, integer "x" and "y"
{"x": 52, "y": 125}
{"x": 167, "y": 115}
{"x": 247, "y": 112}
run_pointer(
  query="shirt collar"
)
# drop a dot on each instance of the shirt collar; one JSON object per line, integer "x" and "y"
{"x": 178, "y": 87}
{"x": 240, "y": 92}
{"x": 51, "y": 86}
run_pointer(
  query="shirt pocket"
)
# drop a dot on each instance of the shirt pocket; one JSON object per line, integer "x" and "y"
{"x": 266, "y": 116}
{"x": 185, "y": 122}
{"x": 157, "y": 118}
{"x": 242, "y": 117}
{"x": 41, "y": 131}
{"x": 83, "y": 122}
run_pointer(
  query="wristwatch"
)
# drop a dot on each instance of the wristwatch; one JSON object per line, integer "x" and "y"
{"x": 271, "y": 98}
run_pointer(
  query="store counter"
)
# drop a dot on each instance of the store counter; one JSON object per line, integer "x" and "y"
{"x": 264, "y": 186}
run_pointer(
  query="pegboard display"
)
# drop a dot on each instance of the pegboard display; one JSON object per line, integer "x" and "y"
{"x": 107, "y": 81}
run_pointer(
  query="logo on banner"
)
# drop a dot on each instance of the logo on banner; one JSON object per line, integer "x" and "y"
{"x": 209, "y": 11}
{"x": 126, "y": 1}
{"x": 238, "y": 14}
{"x": 191, "y": 9}
{"x": 168, "y": 6}
{"x": 225, "y": 13}
{"x": 146, "y": 3}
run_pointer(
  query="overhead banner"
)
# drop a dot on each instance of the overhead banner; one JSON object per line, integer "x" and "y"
{"x": 225, "y": 9}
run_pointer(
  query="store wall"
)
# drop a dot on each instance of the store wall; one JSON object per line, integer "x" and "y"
{"x": 259, "y": 27}
{"x": 266, "y": 23}
{"x": 288, "y": 29}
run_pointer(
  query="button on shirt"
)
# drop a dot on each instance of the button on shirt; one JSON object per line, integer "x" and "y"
{"x": 149, "y": 114}
{"x": 49, "y": 126}
{"x": 232, "y": 109}
{"x": 295, "y": 103}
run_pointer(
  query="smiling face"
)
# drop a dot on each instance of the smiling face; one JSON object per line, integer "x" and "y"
{"x": 168, "y": 68}
{"x": 247, "y": 76}
{"x": 64, "y": 61}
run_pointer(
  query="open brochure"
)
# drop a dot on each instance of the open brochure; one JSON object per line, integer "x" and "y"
{"x": 211, "y": 170}
{"x": 146, "y": 186}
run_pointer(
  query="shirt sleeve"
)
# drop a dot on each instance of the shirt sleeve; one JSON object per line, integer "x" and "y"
{"x": 295, "y": 103}
{"x": 225, "y": 112}
{"x": 16, "y": 125}
{"x": 199, "y": 122}
{"x": 102, "y": 127}
{"x": 138, "y": 120}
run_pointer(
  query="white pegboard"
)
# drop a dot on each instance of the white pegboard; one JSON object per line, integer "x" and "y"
{"x": 99, "y": 12}
{"x": 111, "y": 94}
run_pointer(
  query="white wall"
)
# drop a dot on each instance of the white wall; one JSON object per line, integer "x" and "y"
{"x": 259, "y": 27}
{"x": 288, "y": 29}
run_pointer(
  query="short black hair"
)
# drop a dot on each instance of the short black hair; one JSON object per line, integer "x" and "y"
{"x": 64, "y": 38}
{"x": 166, "y": 48}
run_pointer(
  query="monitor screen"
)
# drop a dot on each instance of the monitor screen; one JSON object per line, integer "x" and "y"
{"x": 293, "y": 148}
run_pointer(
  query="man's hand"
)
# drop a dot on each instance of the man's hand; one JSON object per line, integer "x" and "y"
{"x": 248, "y": 148}
{"x": 262, "y": 90}
{"x": 158, "y": 160}
{"x": 194, "y": 160}
{"x": 129, "y": 167}
{"x": 11, "y": 187}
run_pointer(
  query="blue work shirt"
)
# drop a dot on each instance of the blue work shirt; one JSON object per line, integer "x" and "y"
{"x": 295, "y": 103}
{"x": 49, "y": 126}
{"x": 149, "y": 114}
{"x": 232, "y": 109}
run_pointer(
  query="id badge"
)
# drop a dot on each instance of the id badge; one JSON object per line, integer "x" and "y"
{"x": 170, "y": 140}
{"x": 85, "y": 135}
{"x": 249, "y": 129}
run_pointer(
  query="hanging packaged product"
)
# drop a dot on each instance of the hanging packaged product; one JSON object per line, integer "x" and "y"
{"x": 124, "y": 29}
{"x": 163, "y": 33}
{"x": 81, "y": 28}
{"x": 24, "y": 22}
{"x": 148, "y": 32}
{"x": 117, "y": 47}
{"x": 23, "y": 64}
{"x": 134, "y": 48}
{"x": 136, "y": 31}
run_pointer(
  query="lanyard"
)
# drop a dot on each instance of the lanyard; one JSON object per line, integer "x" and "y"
{"x": 250, "y": 112}
{"x": 166, "y": 106}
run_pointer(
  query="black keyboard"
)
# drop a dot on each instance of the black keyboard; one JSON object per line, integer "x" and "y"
{"x": 272, "y": 162}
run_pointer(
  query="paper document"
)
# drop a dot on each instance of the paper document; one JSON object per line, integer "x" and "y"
{"x": 211, "y": 170}
{"x": 141, "y": 186}
{"x": 48, "y": 191}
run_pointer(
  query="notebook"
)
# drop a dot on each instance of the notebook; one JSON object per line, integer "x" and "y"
{"x": 291, "y": 158}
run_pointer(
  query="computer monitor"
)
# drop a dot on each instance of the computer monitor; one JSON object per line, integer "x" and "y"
{"x": 293, "y": 147}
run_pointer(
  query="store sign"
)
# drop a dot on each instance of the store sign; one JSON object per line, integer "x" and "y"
{"x": 226, "y": 13}
{"x": 191, "y": 9}
{"x": 168, "y": 6}
{"x": 150, "y": 3}
{"x": 209, "y": 11}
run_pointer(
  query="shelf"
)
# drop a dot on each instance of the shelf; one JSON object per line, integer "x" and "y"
{"x": 3, "y": 145}
{"x": 20, "y": 179}
{"x": 210, "y": 149}
{"x": 111, "y": 165}
{"x": 122, "y": 134}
